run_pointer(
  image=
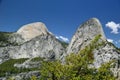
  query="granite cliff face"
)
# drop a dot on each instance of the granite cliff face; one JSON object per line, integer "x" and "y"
{"x": 32, "y": 30}
{"x": 105, "y": 53}
{"x": 32, "y": 40}
{"x": 84, "y": 34}
{"x": 45, "y": 46}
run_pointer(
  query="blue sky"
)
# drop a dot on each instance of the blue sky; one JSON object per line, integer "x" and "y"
{"x": 62, "y": 17}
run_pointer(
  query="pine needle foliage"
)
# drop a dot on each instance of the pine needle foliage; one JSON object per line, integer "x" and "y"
{"x": 77, "y": 66}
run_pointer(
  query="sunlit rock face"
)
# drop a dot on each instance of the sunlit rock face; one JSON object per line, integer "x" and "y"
{"x": 32, "y": 30}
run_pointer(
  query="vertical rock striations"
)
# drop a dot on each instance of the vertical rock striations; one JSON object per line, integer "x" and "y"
{"x": 84, "y": 34}
{"x": 105, "y": 53}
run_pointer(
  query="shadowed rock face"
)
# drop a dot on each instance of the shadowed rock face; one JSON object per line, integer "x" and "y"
{"x": 84, "y": 34}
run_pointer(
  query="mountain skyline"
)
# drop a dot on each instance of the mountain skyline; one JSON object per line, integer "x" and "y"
{"x": 61, "y": 17}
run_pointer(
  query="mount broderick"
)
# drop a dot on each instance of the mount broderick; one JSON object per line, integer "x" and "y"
{"x": 34, "y": 40}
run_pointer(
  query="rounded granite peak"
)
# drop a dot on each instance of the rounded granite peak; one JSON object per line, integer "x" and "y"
{"x": 84, "y": 34}
{"x": 94, "y": 27}
{"x": 92, "y": 21}
{"x": 32, "y": 30}
{"x": 95, "y": 20}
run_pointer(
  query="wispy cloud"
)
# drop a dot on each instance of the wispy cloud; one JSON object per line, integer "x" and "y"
{"x": 57, "y": 37}
{"x": 110, "y": 40}
{"x": 112, "y": 25}
{"x": 62, "y": 38}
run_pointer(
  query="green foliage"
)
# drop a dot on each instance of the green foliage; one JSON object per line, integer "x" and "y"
{"x": 4, "y": 38}
{"x": 33, "y": 77}
{"x": 37, "y": 59}
{"x": 7, "y": 68}
{"x": 104, "y": 72}
{"x": 77, "y": 66}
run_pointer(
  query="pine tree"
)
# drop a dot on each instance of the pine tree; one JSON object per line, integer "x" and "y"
{"x": 77, "y": 67}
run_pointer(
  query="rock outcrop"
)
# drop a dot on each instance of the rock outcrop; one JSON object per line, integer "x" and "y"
{"x": 84, "y": 34}
{"x": 32, "y": 30}
{"x": 32, "y": 40}
{"x": 105, "y": 53}
{"x": 46, "y": 46}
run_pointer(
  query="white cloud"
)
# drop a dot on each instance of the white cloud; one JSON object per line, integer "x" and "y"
{"x": 62, "y": 38}
{"x": 112, "y": 25}
{"x": 57, "y": 37}
{"x": 110, "y": 40}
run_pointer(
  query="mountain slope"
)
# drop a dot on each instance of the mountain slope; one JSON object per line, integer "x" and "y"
{"x": 105, "y": 53}
{"x": 32, "y": 40}
{"x": 84, "y": 34}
